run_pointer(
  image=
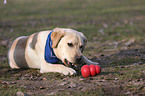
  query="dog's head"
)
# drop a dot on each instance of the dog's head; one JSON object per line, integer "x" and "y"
{"x": 68, "y": 45}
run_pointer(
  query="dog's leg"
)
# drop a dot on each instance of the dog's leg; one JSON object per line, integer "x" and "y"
{"x": 84, "y": 60}
{"x": 56, "y": 68}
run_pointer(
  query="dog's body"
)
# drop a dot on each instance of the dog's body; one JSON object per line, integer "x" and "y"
{"x": 66, "y": 45}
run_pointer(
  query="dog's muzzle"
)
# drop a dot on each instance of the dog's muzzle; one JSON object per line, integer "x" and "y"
{"x": 67, "y": 63}
{"x": 77, "y": 65}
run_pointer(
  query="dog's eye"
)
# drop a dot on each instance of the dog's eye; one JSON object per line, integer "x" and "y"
{"x": 70, "y": 44}
{"x": 81, "y": 46}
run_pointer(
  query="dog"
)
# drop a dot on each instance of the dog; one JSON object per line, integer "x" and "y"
{"x": 59, "y": 50}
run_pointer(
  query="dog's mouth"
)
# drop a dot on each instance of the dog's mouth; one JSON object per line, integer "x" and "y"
{"x": 69, "y": 64}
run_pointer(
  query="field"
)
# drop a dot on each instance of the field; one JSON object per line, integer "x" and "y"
{"x": 115, "y": 30}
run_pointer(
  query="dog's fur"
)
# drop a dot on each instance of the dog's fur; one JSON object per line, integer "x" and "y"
{"x": 68, "y": 44}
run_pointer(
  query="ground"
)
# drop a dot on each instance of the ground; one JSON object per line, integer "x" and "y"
{"x": 115, "y": 32}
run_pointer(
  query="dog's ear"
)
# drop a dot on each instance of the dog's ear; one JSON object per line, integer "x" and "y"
{"x": 84, "y": 38}
{"x": 56, "y": 37}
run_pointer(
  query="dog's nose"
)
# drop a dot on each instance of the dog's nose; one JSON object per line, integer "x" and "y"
{"x": 78, "y": 58}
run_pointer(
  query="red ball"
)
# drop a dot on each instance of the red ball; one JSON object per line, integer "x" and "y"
{"x": 98, "y": 69}
{"x": 93, "y": 70}
{"x": 85, "y": 70}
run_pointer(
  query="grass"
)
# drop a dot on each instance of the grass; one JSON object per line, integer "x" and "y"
{"x": 109, "y": 27}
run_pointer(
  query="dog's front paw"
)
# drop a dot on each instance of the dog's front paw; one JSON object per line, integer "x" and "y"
{"x": 68, "y": 71}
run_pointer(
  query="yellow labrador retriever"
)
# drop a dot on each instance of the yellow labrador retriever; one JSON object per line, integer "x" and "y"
{"x": 44, "y": 50}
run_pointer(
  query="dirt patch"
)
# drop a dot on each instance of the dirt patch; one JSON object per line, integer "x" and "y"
{"x": 122, "y": 74}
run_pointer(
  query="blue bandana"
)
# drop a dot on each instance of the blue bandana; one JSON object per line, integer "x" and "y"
{"x": 49, "y": 53}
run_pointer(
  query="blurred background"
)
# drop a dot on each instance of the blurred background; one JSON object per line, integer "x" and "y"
{"x": 112, "y": 19}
